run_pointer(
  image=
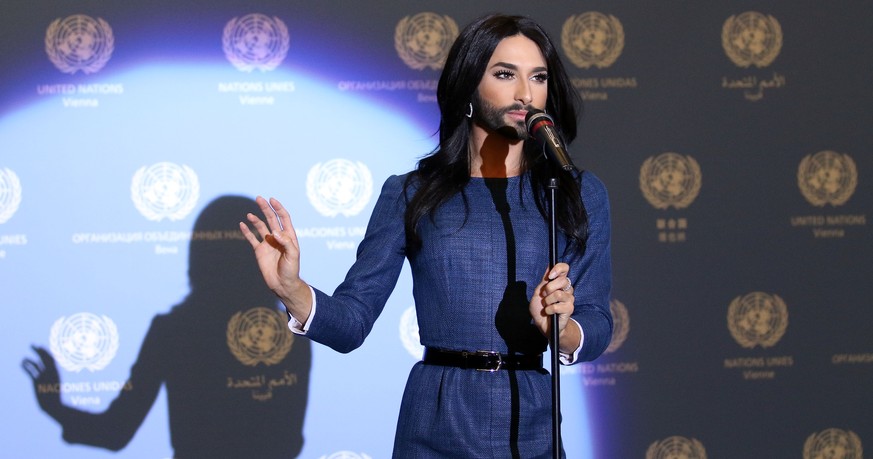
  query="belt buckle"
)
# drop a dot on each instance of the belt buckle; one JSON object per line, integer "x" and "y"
{"x": 493, "y": 360}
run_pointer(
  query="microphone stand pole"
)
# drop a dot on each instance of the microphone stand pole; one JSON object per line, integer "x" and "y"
{"x": 556, "y": 362}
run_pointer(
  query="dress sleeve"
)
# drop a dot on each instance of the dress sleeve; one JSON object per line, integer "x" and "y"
{"x": 591, "y": 272}
{"x": 345, "y": 318}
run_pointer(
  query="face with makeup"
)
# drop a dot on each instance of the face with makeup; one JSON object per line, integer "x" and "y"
{"x": 515, "y": 81}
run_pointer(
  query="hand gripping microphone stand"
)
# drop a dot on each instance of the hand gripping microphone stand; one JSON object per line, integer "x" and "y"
{"x": 542, "y": 129}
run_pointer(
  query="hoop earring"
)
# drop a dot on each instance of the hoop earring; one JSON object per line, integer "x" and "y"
{"x": 470, "y": 113}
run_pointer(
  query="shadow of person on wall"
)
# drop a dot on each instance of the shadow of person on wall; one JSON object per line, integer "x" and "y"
{"x": 237, "y": 381}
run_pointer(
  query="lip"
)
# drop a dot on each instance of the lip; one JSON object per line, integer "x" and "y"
{"x": 517, "y": 114}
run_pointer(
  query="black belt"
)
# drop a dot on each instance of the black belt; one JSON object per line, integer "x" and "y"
{"x": 483, "y": 360}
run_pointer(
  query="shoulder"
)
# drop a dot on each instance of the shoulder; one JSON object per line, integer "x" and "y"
{"x": 396, "y": 183}
{"x": 397, "y": 180}
{"x": 407, "y": 183}
{"x": 397, "y": 188}
{"x": 595, "y": 199}
{"x": 592, "y": 187}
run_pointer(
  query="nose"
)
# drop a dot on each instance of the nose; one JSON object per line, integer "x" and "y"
{"x": 523, "y": 93}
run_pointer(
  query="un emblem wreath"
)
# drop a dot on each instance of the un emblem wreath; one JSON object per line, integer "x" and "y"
{"x": 79, "y": 42}
{"x": 259, "y": 335}
{"x": 670, "y": 179}
{"x": 592, "y": 38}
{"x": 424, "y": 40}
{"x": 751, "y": 39}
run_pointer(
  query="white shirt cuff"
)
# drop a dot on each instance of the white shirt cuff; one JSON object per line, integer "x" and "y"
{"x": 295, "y": 326}
{"x": 568, "y": 359}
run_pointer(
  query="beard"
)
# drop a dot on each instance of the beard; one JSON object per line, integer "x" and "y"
{"x": 493, "y": 119}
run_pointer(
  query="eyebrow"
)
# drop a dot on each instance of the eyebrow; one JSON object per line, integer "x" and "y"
{"x": 515, "y": 67}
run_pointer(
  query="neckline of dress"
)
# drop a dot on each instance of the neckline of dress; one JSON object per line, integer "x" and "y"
{"x": 511, "y": 177}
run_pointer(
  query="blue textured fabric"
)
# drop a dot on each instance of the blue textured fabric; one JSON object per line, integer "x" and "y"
{"x": 472, "y": 280}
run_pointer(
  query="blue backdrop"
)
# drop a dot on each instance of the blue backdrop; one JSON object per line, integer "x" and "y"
{"x": 734, "y": 140}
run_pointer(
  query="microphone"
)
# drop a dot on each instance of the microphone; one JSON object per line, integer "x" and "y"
{"x": 541, "y": 127}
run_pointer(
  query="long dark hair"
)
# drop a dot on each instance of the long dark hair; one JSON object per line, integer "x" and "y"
{"x": 446, "y": 171}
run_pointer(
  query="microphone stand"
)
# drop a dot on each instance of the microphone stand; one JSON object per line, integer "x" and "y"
{"x": 556, "y": 362}
{"x": 541, "y": 127}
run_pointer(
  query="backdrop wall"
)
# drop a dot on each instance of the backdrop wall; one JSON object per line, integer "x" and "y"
{"x": 734, "y": 138}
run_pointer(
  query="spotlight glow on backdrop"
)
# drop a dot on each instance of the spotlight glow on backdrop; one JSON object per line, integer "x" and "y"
{"x": 87, "y": 247}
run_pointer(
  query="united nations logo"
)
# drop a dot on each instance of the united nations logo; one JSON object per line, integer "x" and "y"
{"x": 84, "y": 341}
{"x": 165, "y": 190}
{"x": 670, "y": 179}
{"x": 751, "y": 39}
{"x": 79, "y": 42}
{"x": 592, "y": 38}
{"x": 757, "y": 319}
{"x": 409, "y": 333}
{"x": 827, "y": 177}
{"x": 255, "y": 41}
{"x": 259, "y": 335}
{"x": 10, "y": 194}
{"x": 339, "y": 186}
{"x": 620, "y": 325}
{"x": 676, "y": 447}
{"x": 424, "y": 40}
{"x": 833, "y": 443}
{"x": 346, "y": 455}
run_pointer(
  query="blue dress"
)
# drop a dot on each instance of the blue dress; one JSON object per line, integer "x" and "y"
{"x": 472, "y": 280}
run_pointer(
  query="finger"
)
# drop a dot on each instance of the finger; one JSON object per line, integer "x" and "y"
{"x": 247, "y": 233}
{"x": 284, "y": 218}
{"x": 560, "y": 269}
{"x": 281, "y": 212}
{"x": 554, "y": 306}
{"x": 554, "y": 288}
{"x": 269, "y": 216}
{"x": 561, "y": 284}
{"x": 559, "y": 307}
{"x": 287, "y": 242}
{"x": 548, "y": 283}
{"x": 259, "y": 225}
{"x": 557, "y": 291}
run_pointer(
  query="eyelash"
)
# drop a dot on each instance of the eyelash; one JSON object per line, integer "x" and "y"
{"x": 504, "y": 74}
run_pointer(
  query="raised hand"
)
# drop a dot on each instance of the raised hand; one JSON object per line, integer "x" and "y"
{"x": 278, "y": 255}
